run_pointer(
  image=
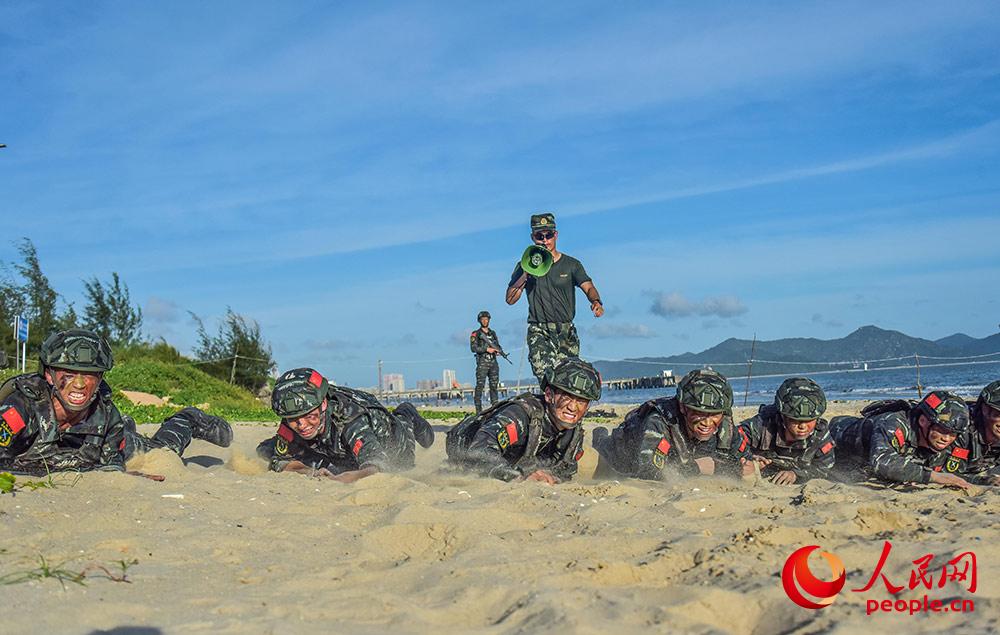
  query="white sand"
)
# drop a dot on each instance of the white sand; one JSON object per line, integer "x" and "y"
{"x": 249, "y": 551}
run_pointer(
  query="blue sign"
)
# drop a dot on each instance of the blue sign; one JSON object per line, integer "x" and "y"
{"x": 22, "y": 329}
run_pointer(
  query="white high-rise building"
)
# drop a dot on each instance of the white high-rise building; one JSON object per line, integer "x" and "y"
{"x": 449, "y": 379}
{"x": 393, "y": 382}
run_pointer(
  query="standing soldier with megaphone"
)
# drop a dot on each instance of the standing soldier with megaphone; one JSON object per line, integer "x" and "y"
{"x": 550, "y": 278}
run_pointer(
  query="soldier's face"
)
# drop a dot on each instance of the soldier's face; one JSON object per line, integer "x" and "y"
{"x": 545, "y": 238}
{"x": 76, "y": 387}
{"x": 991, "y": 421}
{"x": 484, "y": 321}
{"x": 701, "y": 425}
{"x": 565, "y": 410}
{"x": 311, "y": 423}
{"x": 798, "y": 430}
{"x": 936, "y": 437}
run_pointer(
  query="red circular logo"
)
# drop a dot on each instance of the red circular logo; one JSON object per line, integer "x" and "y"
{"x": 799, "y": 581}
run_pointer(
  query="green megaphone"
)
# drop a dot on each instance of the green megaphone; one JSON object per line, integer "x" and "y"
{"x": 536, "y": 261}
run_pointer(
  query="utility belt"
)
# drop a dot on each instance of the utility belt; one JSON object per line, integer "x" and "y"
{"x": 553, "y": 327}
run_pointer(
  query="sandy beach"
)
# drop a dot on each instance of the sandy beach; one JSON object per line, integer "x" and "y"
{"x": 223, "y": 546}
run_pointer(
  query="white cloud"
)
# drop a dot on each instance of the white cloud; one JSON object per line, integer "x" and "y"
{"x": 675, "y": 305}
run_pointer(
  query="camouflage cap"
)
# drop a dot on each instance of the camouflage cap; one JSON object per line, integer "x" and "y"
{"x": 801, "y": 399}
{"x": 483, "y": 314}
{"x": 77, "y": 349}
{"x": 991, "y": 395}
{"x": 545, "y": 220}
{"x": 575, "y": 376}
{"x": 297, "y": 392}
{"x": 945, "y": 409}
{"x": 705, "y": 390}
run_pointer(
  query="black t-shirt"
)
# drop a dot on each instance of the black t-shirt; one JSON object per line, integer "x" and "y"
{"x": 552, "y": 298}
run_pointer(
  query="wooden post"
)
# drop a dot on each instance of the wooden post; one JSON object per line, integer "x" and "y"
{"x": 753, "y": 349}
{"x": 232, "y": 373}
{"x": 380, "y": 378}
{"x": 920, "y": 389}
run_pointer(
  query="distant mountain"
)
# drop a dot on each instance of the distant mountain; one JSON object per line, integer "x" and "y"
{"x": 866, "y": 343}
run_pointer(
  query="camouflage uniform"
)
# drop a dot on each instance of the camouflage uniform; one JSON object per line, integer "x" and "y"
{"x": 486, "y": 363}
{"x": 516, "y": 437}
{"x": 654, "y": 435}
{"x": 358, "y": 432}
{"x": 884, "y": 440}
{"x": 549, "y": 343}
{"x": 799, "y": 399}
{"x": 31, "y": 441}
{"x": 984, "y": 462}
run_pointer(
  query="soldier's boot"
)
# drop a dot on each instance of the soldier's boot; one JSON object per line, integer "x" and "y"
{"x": 422, "y": 430}
{"x": 477, "y": 398}
{"x": 206, "y": 427}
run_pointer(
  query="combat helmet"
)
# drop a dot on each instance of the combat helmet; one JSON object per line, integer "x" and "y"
{"x": 483, "y": 314}
{"x": 800, "y": 399}
{"x": 77, "y": 349}
{"x": 945, "y": 409}
{"x": 575, "y": 376}
{"x": 705, "y": 390}
{"x": 991, "y": 395}
{"x": 297, "y": 392}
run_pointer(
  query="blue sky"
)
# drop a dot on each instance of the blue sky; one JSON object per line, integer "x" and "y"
{"x": 358, "y": 178}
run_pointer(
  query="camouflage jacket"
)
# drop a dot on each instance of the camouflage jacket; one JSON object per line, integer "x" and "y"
{"x": 32, "y": 443}
{"x": 359, "y": 432}
{"x": 654, "y": 436}
{"x": 812, "y": 457}
{"x": 480, "y": 341}
{"x": 885, "y": 439}
{"x": 514, "y": 438}
{"x": 984, "y": 459}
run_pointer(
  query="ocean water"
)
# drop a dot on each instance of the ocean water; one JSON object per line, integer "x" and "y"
{"x": 966, "y": 381}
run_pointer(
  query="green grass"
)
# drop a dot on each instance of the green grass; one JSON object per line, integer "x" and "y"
{"x": 183, "y": 383}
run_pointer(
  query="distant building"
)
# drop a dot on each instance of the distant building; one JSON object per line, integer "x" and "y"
{"x": 449, "y": 379}
{"x": 393, "y": 382}
{"x": 428, "y": 384}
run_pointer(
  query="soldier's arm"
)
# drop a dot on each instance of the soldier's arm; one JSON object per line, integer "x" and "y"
{"x": 886, "y": 458}
{"x": 112, "y": 450}
{"x": 17, "y": 430}
{"x": 566, "y": 467}
{"x": 516, "y": 286}
{"x": 753, "y": 428}
{"x": 823, "y": 459}
{"x": 368, "y": 449}
{"x": 477, "y": 344}
{"x": 499, "y": 437}
{"x": 654, "y": 449}
{"x": 740, "y": 455}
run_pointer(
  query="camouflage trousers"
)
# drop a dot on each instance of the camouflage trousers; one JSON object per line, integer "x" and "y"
{"x": 176, "y": 433}
{"x": 486, "y": 368}
{"x": 549, "y": 343}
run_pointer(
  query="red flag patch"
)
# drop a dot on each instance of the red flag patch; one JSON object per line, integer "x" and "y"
{"x": 663, "y": 447}
{"x": 960, "y": 453}
{"x": 357, "y": 446}
{"x": 933, "y": 401}
{"x": 579, "y": 455}
{"x": 316, "y": 379}
{"x": 512, "y": 432}
{"x": 286, "y": 433}
{"x": 826, "y": 448}
{"x": 900, "y": 437}
{"x": 14, "y": 420}
{"x": 746, "y": 439}
{"x": 121, "y": 446}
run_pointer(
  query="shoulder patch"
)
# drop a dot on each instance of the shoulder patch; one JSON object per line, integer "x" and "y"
{"x": 826, "y": 447}
{"x": 663, "y": 447}
{"x": 746, "y": 440}
{"x": 899, "y": 439}
{"x": 512, "y": 432}
{"x": 356, "y": 449}
{"x": 960, "y": 453}
{"x": 286, "y": 433}
{"x": 11, "y": 422}
{"x": 281, "y": 446}
{"x": 579, "y": 455}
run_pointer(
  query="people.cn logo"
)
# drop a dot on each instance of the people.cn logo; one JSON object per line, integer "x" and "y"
{"x": 805, "y": 589}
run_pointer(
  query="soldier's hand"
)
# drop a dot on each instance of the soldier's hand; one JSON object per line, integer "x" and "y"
{"x": 784, "y": 477}
{"x": 597, "y": 308}
{"x": 706, "y": 465}
{"x": 492, "y": 350}
{"x": 762, "y": 461}
{"x": 747, "y": 468}
{"x": 542, "y": 477}
{"x": 951, "y": 480}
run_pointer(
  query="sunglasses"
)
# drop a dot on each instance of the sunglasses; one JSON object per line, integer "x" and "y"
{"x": 543, "y": 235}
